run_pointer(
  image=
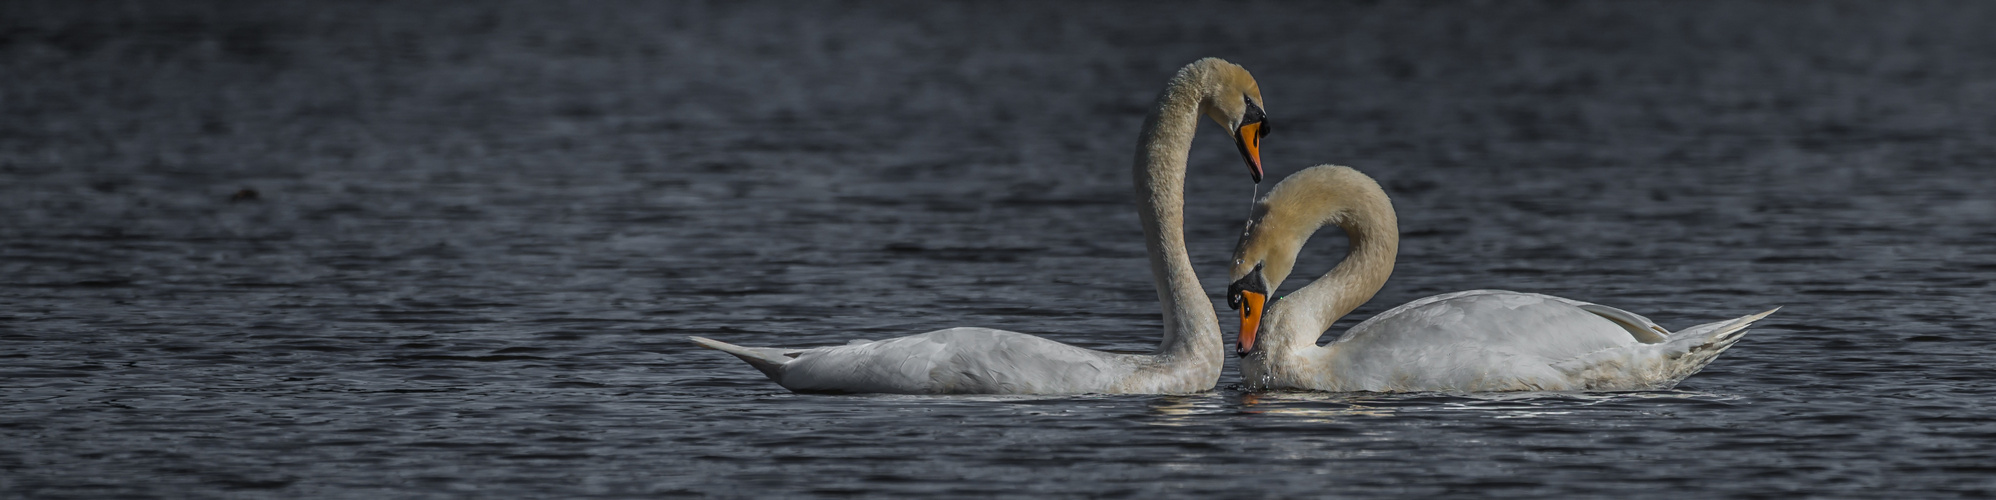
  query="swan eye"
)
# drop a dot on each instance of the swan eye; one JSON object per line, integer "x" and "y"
{"x": 1237, "y": 291}
{"x": 1253, "y": 114}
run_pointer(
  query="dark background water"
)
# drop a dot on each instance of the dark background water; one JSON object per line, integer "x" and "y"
{"x": 482, "y": 230}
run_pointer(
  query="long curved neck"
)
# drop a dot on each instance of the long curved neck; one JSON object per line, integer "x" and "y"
{"x": 1190, "y": 327}
{"x": 1374, "y": 232}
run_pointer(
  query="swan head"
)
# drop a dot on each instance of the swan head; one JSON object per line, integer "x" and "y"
{"x": 1234, "y": 102}
{"x": 1262, "y": 259}
{"x": 1249, "y": 295}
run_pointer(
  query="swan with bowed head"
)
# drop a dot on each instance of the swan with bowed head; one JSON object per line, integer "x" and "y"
{"x": 1472, "y": 341}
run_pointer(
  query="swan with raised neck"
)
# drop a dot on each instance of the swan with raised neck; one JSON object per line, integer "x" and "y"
{"x": 986, "y": 361}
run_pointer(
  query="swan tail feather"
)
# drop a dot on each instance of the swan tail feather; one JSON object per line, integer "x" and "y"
{"x": 1657, "y": 366}
{"x": 768, "y": 360}
{"x": 1693, "y": 348}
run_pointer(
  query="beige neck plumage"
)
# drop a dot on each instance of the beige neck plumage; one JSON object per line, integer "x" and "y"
{"x": 1356, "y": 204}
{"x": 1191, "y": 331}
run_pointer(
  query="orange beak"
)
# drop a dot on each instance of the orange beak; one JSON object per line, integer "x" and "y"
{"x": 1251, "y": 310}
{"x": 1248, "y": 138}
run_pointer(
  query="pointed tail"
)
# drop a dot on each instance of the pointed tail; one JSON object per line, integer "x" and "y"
{"x": 769, "y": 360}
{"x": 1693, "y": 348}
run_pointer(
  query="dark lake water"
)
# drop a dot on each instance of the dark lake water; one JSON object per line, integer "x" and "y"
{"x": 481, "y": 231}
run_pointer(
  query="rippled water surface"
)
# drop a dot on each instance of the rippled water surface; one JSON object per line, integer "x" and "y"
{"x": 453, "y": 249}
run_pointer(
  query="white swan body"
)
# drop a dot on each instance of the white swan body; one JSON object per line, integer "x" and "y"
{"x": 1473, "y": 341}
{"x": 964, "y": 360}
{"x": 1496, "y": 340}
{"x": 986, "y": 361}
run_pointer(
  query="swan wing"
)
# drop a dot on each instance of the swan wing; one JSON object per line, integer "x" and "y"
{"x": 1525, "y": 323}
{"x": 957, "y": 361}
{"x": 1477, "y": 340}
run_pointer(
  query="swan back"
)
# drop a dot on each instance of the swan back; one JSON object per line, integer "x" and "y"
{"x": 963, "y": 361}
